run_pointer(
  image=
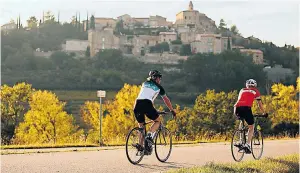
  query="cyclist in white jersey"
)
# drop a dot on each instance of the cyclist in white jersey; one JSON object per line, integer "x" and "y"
{"x": 144, "y": 102}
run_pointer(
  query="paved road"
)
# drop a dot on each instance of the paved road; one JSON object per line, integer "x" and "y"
{"x": 114, "y": 161}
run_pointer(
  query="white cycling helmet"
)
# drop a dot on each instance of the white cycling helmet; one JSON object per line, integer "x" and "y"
{"x": 251, "y": 83}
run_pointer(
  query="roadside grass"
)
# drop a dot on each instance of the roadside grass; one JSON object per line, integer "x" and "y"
{"x": 283, "y": 164}
{"x": 110, "y": 144}
{"x": 38, "y": 146}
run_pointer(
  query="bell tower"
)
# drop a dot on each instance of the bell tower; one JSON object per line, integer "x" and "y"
{"x": 191, "y": 6}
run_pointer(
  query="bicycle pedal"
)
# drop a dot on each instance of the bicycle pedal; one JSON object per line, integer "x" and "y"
{"x": 240, "y": 146}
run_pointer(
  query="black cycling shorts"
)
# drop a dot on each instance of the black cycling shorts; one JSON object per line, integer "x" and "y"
{"x": 245, "y": 112}
{"x": 145, "y": 107}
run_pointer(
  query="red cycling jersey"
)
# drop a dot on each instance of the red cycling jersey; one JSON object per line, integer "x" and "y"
{"x": 247, "y": 96}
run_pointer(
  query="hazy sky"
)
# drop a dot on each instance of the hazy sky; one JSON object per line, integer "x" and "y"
{"x": 276, "y": 21}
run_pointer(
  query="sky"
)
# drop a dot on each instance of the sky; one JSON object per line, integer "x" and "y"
{"x": 269, "y": 20}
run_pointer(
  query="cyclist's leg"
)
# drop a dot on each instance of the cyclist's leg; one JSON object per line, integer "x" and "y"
{"x": 140, "y": 117}
{"x": 154, "y": 116}
{"x": 155, "y": 125}
{"x": 250, "y": 121}
{"x": 141, "y": 138}
{"x": 239, "y": 115}
{"x": 250, "y": 133}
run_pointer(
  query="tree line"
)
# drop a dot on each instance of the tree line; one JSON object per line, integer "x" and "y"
{"x": 110, "y": 69}
{"x": 32, "y": 116}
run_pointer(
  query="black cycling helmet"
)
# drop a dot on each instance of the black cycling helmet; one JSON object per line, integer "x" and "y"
{"x": 153, "y": 74}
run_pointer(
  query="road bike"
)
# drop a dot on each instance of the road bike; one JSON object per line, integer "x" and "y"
{"x": 239, "y": 139}
{"x": 162, "y": 143}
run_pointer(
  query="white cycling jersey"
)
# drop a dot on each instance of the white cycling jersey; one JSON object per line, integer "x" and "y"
{"x": 150, "y": 90}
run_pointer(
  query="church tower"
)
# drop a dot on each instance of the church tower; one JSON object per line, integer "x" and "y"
{"x": 191, "y": 6}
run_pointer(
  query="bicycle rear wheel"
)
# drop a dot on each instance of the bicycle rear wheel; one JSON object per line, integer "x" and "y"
{"x": 237, "y": 150}
{"x": 257, "y": 144}
{"x": 133, "y": 154}
{"x": 163, "y": 144}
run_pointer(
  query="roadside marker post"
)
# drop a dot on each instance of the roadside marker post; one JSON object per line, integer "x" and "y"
{"x": 101, "y": 94}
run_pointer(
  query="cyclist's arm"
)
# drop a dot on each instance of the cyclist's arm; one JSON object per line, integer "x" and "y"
{"x": 261, "y": 107}
{"x": 168, "y": 102}
{"x": 239, "y": 97}
{"x": 166, "y": 99}
{"x": 258, "y": 99}
{"x": 134, "y": 104}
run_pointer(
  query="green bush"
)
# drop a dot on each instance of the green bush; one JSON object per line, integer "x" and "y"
{"x": 176, "y": 42}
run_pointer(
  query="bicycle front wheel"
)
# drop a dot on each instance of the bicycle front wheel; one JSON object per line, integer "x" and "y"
{"x": 237, "y": 150}
{"x": 257, "y": 144}
{"x": 163, "y": 144}
{"x": 133, "y": 154}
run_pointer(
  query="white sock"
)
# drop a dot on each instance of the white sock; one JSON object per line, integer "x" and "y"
{"x": 152, "y": 135}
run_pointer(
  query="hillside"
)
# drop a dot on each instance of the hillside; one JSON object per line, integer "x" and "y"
{"x": 109, "y": 69}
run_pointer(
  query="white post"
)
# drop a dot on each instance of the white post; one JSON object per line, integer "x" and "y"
{"x": 100, "y": 120}
{"x": 103, "y": 40}
{"x": 100, "y": 94}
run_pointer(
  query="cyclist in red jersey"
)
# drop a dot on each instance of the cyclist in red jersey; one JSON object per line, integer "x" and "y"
{"x": 242, "y": 108}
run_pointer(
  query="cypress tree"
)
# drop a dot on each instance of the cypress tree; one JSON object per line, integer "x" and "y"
{"x": 76, "y": 20}
{"x": 58, "y": 17}
{"x": 228, "y": 44}
{"x": 17, "y": 23}
{"x": 92, "y": 24}
{"x": 79, "y": 28}
{"x": 87, "y": 21}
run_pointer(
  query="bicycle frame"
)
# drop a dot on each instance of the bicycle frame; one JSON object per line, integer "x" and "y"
{"x": 144, "y": 129}
{"x": 148, "y": 149}
{"x": 239, "y": 138}
{"x": 243, "y": 127}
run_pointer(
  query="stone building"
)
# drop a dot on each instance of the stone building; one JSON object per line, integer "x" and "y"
{"x": 257, "y": 55}
{"x": 210, "y": 43}
{"x": 167, "y": 36}
{"x": 75, "y": 45}
{"x": 159, "y": 21}
{"x": 142, "y": 20}
{"x": 143, "y": 42}
{"x": 102, "y": 22}
{"x": 8, "y": 27}
{"x": 128, "y": 21}
{"x": 194, "y": 19}
{"x": 102, "y": 39}
{"x": 188, "y": 37}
